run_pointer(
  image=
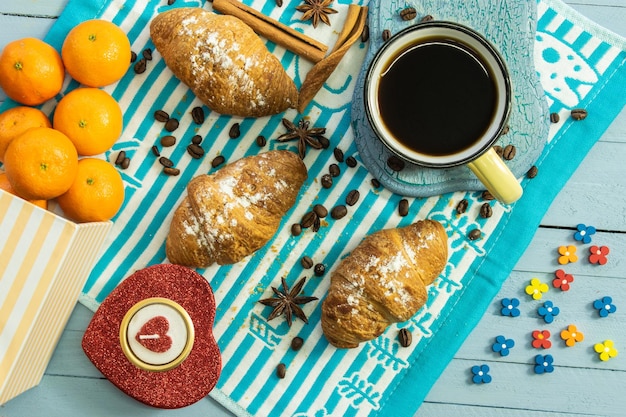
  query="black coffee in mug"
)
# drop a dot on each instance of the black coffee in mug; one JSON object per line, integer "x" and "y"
{"x": 436, "y": 97}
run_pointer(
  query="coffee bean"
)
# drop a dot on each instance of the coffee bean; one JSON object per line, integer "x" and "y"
{"x": 296, "y": 229}
{"x": 365, "y": 34}
{"x": 375, "y": 183}
{"x": 234, "y": 131}
{"x": 125, "y": 163}
{"x": 168, "y": 140}
{"x": 386, "y": 35}
{"x": 395, "y": 163}
{"x": 140, "y": 66}
{"x": 324, "y": 141}
{"x": 279, "y": 3}
{"x": 306, "y": 262}
{"x": 338, "y": 212}
{"x": 261, "y": 141}
{"x": 474, "y": 234}
{"x": 506, "y": 130}
{"x": 316, "y": 224}
{"x": 554, "y": 117}
{"x": 170, "y": 2}
{"x": 133, "y": 56}
{"x": 217, "y": 161}
{"x": 334, "y": 170}
{"x": 196, "y": 139}
{"x": 320, "y": 210}
{"x": 171, "y": 125}
{"x": 579, "y": 114}
{"x": 120, "y": 157}
{"x": 281, "y": 370}
{"x": 319, "y": 270}
{"x": 408, "y": 13}
{"x": 405, "y": 337}
{"x": 351, "y": 161}
{"x": 353, "y": 197}
{"x": 155, "y": 151}
{"x": 403, "y": 207}
{"x": 461, "y": 207}
{"x": 486, "y": 211}
{"x": 195, "y": 151}
{"x": 161, "y": 116}
{"x": 166, "y": 162}
{"x": 147, "y": 53}
{"x": 308, "y": 219}
{"x": 338, "y": 153}
{"x": 296, "y": 343}
{"x": 508, "y": 152}
{"x": 532, "y": 172}
{"x": 327, "y": 181}
{"x": 171, "y": 171}
{"x": 197, "y": 114}
{"x": 498, "y": 150}
{"x": 427, "y": 18}
{"x": 486, "y": 195}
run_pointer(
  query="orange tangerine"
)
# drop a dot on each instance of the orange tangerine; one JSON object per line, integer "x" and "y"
{"x": 16, "y": 121}
{"x": 5, "y": 185}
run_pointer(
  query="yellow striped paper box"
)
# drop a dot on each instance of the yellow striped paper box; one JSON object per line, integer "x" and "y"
{"x": 44, "y": 263}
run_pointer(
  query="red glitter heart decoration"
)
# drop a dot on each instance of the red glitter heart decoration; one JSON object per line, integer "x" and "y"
{"x": 153, "y": 335}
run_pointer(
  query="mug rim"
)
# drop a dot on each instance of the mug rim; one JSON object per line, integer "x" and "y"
{"x": 453, "y": 159}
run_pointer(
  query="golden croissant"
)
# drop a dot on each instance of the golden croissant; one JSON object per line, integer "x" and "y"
{"x": 235, "y": 211}
{"x": 383, "y": 281}
{"x": 224, "y": 63}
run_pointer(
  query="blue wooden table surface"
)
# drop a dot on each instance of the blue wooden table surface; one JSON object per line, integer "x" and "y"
{"x": 580, "y": 385}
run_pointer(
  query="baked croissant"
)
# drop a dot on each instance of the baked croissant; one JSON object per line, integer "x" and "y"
{"x": 224, "y": 63}
{"x": 383, "y": 281}
{"x": 233, "y": 212}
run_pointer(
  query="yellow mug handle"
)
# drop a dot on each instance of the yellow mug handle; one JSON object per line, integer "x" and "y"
{"x": 496, "y": 177}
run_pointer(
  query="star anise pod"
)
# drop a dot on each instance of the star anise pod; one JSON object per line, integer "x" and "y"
{"x": 316, "y": 10}
{"x": 314, "y": 137}
{"x": 287, "y": 302}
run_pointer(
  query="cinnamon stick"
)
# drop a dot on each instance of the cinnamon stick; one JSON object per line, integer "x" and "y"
{"x": 273, "y": 30}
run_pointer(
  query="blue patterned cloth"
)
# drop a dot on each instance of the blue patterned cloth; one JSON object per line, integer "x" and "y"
{"x": 579, "y": 65}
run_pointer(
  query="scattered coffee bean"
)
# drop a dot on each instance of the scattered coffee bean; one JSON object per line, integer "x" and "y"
{"x": 461, "y": 207}
{"x": 579, "y": 114}
{"x": 234, "y": 131}
{"x": 120, "y": 157}
{"x": 509, "y": 152}
{"x": 316, "y": 224}
{"x": 386, "y": 35}
{"x": 196, "y": 139}
{"x": 408, "y": 13}
{"x": 296, "y": 229}
{"x": 498, "y": 150}
{"x": 140, "y": 66}
{"x": 279, "y": 3}
{"x": 427, "y": 18}
{"x": 338, "y": 212}
{"x": 506, "y": 130}
{"x": 171, "y": 124}
{"x": 170, "y": 2}
{"x": 334, "y": 170}
{"x": 133, "y": 56}
{"x": 353, "y": 197}
{"x": 338, "y": 153}
{"x": 320, "y": 210}
{"x": 403, "y": 207}
{"x": 197, "y": 114}
{"x": 171, "y": 171}
{"x": 125, "y": 163}
{"x": 365, "y": 34}
{"x": 166, "y": 162}
{"x": 486, "y": 195}
{"x": 474, "y": 234}
{"x": 486, "y": 211}
{"x": 375, "y": 183}
{"x": 161, "y": 116}
{"x": 261, "y": 141}
{"x": 296, "y": 343}
{"x": 306, "y": 262}
{"x": 155, "y": 151}
{"x": 405, "y": 337}
{"x": 532, "y": 172}
{"x": 147, "y": 53}
{"x": 168, "y": 140}
{"x": 554, "y": 117}
{"x": 351, "y": 161}
{"x": 281, "y": 370}
{"x": 319, "y": 270}
{"x": 395, "y": 163}
{"x": 324, "y": 141}
{"x": 327, "y": 181}
{"x": 308, "y": 219}
{"x": 195, "y": 151}
{"x": 217, "y": 161}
